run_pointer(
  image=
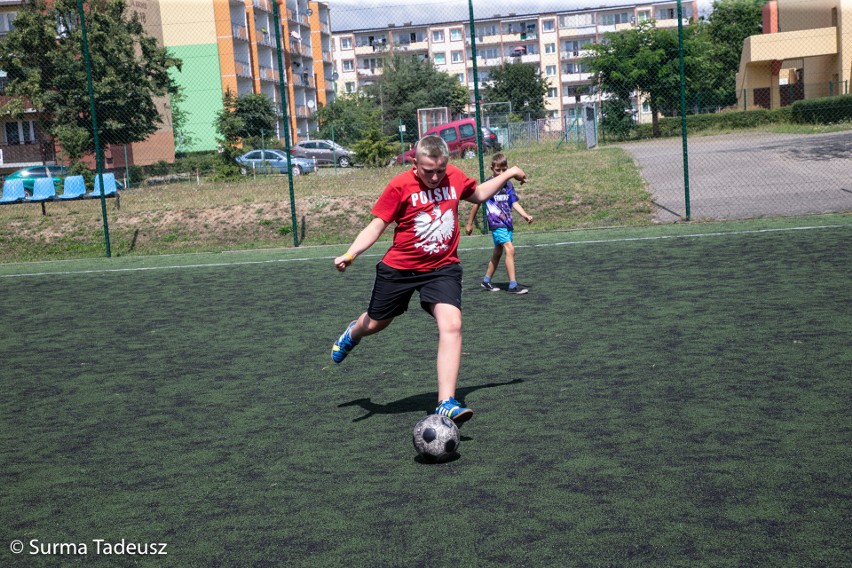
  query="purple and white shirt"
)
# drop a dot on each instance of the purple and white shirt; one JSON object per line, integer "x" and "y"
{"x": 498, "y": 209}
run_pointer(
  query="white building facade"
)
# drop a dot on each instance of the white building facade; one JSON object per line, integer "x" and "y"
{"x": 555, "y": 41}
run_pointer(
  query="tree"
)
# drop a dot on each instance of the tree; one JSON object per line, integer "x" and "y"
{"x": 352, "y": 116}
{"x": 521, "y": 84}
{"x": 408, "y": 84}
{"x": 375, "y": 148}
{"x": 644, "y": 62}
{"x": 730, "y": 23}
{"x": 179, "y": 117}
{"x": 45, "y": 65}
{"x": 244, "y": 121}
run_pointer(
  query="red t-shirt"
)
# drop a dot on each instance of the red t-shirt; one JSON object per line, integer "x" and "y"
{"x": 427, "y": 233}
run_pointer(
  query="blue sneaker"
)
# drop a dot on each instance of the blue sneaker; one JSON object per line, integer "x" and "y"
{"x": 343, "y": 345}
{"x": 454, "y": 411}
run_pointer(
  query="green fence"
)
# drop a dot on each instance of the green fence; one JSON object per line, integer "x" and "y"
{"x": 177, "y": 101}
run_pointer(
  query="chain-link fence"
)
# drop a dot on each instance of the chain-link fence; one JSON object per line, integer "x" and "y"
{"x": 729, "y": 110}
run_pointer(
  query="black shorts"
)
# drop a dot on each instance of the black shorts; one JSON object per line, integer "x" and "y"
{"x": 393, "y": 289}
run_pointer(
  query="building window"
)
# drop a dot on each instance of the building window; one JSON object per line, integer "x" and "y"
{"x": 550, "y": 70}
{"x": 550, "y": 48}
{"x": 372, "y": 63}
{"x": 441, "y": 58}
{"x": 348, "y": 65}
{"x": 21, "y": 132}
{"x": 671, "y": 13}
{"x": 350, "y": 87}
{"x": 438, "y": 36}
{"x": 551, "y": 92}
{"x": 462, "y": 79}
{"x": 6, "y": 24}
{"x": 346, "y": 43}
{"x": 644, "y": 15}
{"x": 457, "y": 56}
{"x": 573, "y": 48}
{"x": 487, "y": 30}
{"x": 488, "y": 53}
{"x": 548, "y": 25}
{"x": 456, "y": 34}
{"x": 576, "y": 21}
{"x": 612, "y": 19}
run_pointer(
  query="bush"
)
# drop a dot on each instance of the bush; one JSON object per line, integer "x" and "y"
{"x": 827, "y": 110}
{"x": 137, "y": 175}
{"x": 733, "y": 120}
{"x": 226, "y": 171}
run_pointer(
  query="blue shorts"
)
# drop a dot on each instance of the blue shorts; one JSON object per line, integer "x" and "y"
{"x": 501, "y": 235}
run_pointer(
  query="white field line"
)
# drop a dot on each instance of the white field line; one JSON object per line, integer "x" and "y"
{"x": 326, "y": 258}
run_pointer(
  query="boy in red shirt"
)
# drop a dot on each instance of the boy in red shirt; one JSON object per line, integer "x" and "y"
{"x": 424, "y": 204}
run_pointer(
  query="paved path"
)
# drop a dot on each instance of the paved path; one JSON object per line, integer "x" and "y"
{"x": 736, "y": 176}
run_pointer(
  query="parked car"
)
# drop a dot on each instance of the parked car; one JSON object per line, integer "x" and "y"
{"x": 325, "y": 152}
{"x": 273, "y": 161}
{"x": 58, "y": 173}
{"x": 460, "y": 136}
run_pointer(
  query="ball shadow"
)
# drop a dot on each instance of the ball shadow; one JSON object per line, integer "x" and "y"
{"x": 424, "y": 460}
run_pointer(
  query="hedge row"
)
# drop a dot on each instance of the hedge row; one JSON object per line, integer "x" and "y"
{"x": 827, "y": 110}
{"x": 671, "y": 126}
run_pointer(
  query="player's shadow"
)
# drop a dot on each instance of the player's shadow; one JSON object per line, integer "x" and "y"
{"x": 414, "y": 403}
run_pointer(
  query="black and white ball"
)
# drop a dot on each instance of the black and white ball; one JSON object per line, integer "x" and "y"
{"x": 436, "y": 438}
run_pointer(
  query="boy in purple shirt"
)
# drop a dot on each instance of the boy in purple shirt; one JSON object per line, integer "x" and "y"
{"x": 498, "y": 211}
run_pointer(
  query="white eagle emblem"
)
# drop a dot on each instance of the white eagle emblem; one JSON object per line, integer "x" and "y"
{"x": 434, "y": 230}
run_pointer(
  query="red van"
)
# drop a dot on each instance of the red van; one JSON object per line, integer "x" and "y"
{"x": 460, "y": 136}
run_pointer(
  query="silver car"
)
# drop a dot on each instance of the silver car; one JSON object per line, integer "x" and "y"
{"x": 273, "y": 161}
{"x": 325, "y": 152}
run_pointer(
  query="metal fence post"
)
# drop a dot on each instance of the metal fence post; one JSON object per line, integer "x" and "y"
{"x": 276, "y": 21}
{"x": 683, "y": 108}
{"x": 99, "y": 158}
{"x": 477, "y": 103}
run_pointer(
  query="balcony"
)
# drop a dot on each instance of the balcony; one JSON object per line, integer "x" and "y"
{"x": 490, "y": 61}
{"x": 242, "y": 69}
{"x": 584, "y": 99}
{"x": 303, "y": 80}
{"x": 369, "y": 71}
{"x": 239, "y": 31}
{"x": 297, "y": 18}
{"x": 577, "y": 31}
{"x": 262, "y": 5}
{"x": 267, "y": 39}
{"x": 367, "y": 48}
{"x": 302, "y": 111}
{"x": 411, "y": 46}
{"x": 268, "y": 74}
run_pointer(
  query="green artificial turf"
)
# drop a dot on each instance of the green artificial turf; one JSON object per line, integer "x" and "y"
{"x": 672, "y": 396}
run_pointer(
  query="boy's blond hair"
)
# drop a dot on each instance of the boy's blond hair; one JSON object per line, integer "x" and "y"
{"x": 431, "y": 146}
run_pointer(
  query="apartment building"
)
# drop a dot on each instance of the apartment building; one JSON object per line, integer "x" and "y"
{"x": 555, "y": 41}
{"x": 805, "y": 51}
{"x": 21, "y": 143}
{"x": 231, "y": 45}
{"x": 224, "y": 45}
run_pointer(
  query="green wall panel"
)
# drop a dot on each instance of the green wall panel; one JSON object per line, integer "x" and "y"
{"x": 200, "y": 78}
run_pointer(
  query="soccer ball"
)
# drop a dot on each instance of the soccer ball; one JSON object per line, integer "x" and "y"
{"x": 436, "y": 438}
